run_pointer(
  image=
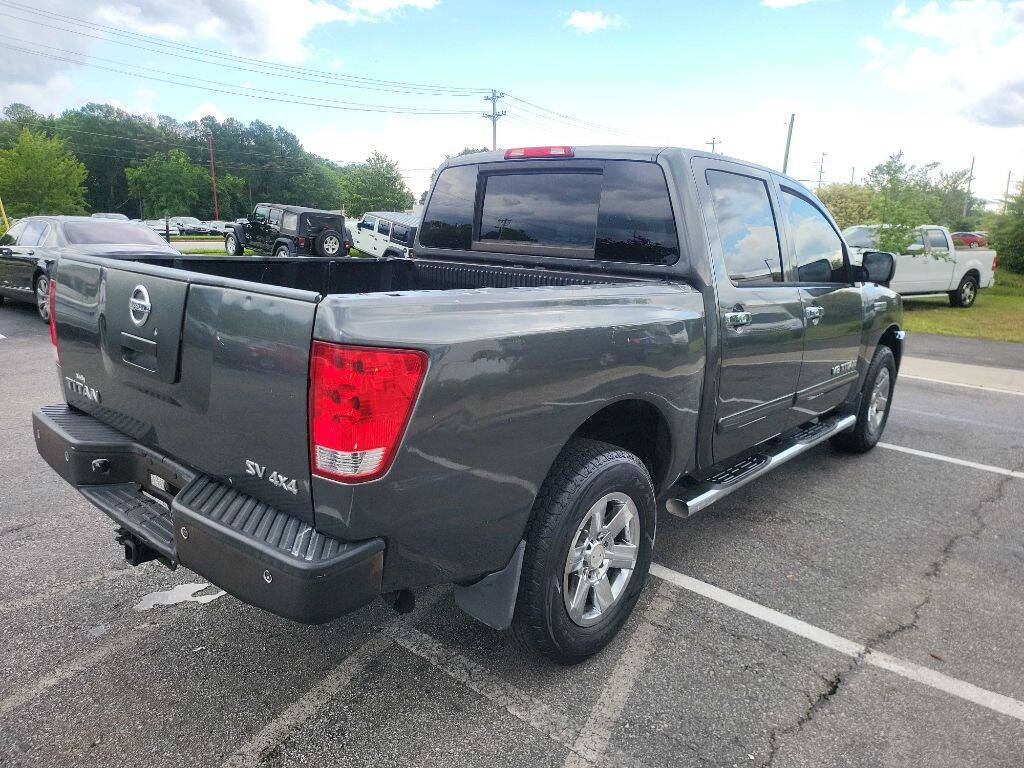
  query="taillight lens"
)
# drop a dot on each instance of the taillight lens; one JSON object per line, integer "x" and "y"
{"x": 360, "y": 399}
{"x": 53, "y": 317}
{"x": 301, "y": 242}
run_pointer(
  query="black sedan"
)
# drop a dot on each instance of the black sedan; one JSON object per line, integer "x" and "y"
{"x": 33, "y": 244}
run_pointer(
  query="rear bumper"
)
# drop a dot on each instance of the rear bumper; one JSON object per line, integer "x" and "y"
{"x": 259, "y": 554}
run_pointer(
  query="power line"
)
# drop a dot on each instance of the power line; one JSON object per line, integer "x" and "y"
{"x": 715, "y": 141}
{"x": 286, "y": 70}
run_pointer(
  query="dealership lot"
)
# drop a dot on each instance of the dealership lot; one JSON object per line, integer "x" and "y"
{"x": 907, "y": 555}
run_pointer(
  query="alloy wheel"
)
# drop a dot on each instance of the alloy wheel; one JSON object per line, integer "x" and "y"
{"x": 43, "y": 297}
{"x": 601, "y": 558}
{"x": 879, "y": 401}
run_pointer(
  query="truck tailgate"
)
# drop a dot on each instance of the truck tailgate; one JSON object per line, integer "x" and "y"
{"x": 211, "y": 371}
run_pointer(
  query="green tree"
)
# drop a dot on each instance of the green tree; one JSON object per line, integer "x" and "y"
{"x": 849, "y": 204}
{"x": 167, "y": 184}
{"x": 38, "y": 175}
{"x": 376, "y": 185}
{"x": 901, "y": 200}
{"x": 1008, "y": 233}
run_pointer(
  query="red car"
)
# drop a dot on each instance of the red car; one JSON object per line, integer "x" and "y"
{"x": 972, "y": 239}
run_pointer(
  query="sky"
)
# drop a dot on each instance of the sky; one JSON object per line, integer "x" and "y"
{"x": 941, "y": 81}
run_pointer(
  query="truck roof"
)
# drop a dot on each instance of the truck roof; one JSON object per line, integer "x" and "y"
{"x": 625, "y": 152}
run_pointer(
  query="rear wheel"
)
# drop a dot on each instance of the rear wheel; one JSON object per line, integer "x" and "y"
{"x": 875, "y": 402}
{"x": 282, "y": 250}
{"x": 42, "y": 289}
{"x": 328, "y": 243}
{"x": 588, "y": 551}
{"x": 965, "y": 293}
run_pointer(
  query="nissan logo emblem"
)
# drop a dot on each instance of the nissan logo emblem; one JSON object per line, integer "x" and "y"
{"x": 139, "y": 306}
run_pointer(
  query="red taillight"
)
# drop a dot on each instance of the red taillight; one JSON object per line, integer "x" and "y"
{"x": 301, "y": 241}
{"x": 360, "y": 399}
{"x": 53, "y": 317}
{"x": 521, "y": 152}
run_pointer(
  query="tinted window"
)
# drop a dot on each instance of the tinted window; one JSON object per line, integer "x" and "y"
{"x": 260, "y": 214}
{"x": 10, "y": 237}
{"x": 400, "y": 233}
{"x": 819, "y": 250}
{"x": 384, "y": 227}
{"x": 448, "y": 220}
{"x": 635, "y": 223}
{"x": 275, "y": 216}
{"x": 290, "y": 221}
{"x": 109, "y": 232}
{"x": 937, "y": 240}
{"x": 547, "y": 209}
{"x": 34, "y": 231}
{"x": 369, "y": 222}
{"x": 746, "y": 226}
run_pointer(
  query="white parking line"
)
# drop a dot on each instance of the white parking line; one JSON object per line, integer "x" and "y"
{"x": 996, "y": 702}
{"x": 958, "y": 384}
{"x": 952, "y": 460}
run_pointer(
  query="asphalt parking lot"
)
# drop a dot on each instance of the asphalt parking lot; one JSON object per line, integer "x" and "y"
{"x": 842, "y": 611}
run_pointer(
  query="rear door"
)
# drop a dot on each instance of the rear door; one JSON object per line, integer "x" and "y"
{"x": 24, "y": 256}
{"x": 210, "y": 370}
{"x": 832, "y": 305}
{"x": 911, "y": 273}
{"x": 8, "y": 261}
{"x": 760, "y": 312}
{"x": 383, "y": 236}
{"x": 273, "y": 225}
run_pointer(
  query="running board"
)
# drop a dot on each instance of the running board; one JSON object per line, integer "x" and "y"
{"x": 689, "y": 499}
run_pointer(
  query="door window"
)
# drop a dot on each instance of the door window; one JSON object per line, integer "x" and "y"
{"x": 400, "y": 234}
{"x": 260, "y": 214}
{"x": 369, "y": 223}
{"x": 937, "y": 240}
{"x": 819, "y": 249}
{"x": 384, "y": 227}
{"x": 275, "y": 217}
{"x": 34, "y": 231}
{"x": 290, "y": 221}
{"x": 746, "y": 225}
{"x": 11, "y": 236}
{"x": 916, "y": 243}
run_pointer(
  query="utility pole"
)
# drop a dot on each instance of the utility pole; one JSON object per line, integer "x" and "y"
{"x": 789, "y": 139}
{"x": 494, "y": 115}
{"x": 213, "y": 177}
{"x": 715, "y": 141}
{"x": 853, "y": 172}
{"x": 967, "y": 197}
{"x": 1006, "y": 197}
{"x": 821, "y": 167}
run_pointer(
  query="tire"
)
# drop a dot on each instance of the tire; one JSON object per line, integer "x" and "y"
{"x": 281, "y": 251}
{"x": 966, "y": 293}
{"x": 231, "y": 245}
{"x": 875, "y": 403}
{"x": 588, "y": 478}
{"x": 41, "y": 286}
{"x": 329, "y": 243}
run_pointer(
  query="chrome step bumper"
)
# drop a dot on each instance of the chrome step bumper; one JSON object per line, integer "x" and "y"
{"x": 689, "y": 499}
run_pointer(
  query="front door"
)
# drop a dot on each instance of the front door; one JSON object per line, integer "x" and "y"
{"x": 8, "y": 261}
{"x": 760, "y": 315}
{"x": 940, "y": 261}
{"x": 832, "y": 306}
{"x": 258, "y": 227}
{"x": 911, "y": 266}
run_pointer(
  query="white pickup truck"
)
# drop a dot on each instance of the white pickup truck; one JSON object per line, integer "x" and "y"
{"x": 931, "y": 264}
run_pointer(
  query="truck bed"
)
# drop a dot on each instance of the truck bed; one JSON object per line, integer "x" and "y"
{"x": 375, "y": 275}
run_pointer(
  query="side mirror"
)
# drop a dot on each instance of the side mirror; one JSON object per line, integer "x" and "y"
{"x": 878, "y": 267}
{"x": 915, "y": 248}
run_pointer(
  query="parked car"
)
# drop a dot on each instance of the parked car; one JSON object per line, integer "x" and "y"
{"x": 190, "y": 225}
{"x": 289, "y": 230}
{"x": 31, "y": 246}
{"x": 163, "y": 226}
{"x": 972, "y": 239}
{"x": 386, "y": 233}
{"x": 216, "y": 227}
{"x": 932, "y": 265}
{"x": 115, "y": 216}
{"x": 586, "y": 335}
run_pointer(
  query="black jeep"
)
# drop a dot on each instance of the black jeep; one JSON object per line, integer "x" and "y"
{"x": 288, "y": 230}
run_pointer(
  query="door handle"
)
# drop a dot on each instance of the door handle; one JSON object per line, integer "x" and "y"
{"x": 737, "y": 319}
{"x": 814, "y": 314}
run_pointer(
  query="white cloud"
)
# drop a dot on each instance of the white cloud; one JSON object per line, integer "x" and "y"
{"x": 207, "y": 108}
{"x": 382, "y": 7}
{"x": 586, "y": 22}
{"x": 971, "y": 57}
{"x": 785, "y": 3}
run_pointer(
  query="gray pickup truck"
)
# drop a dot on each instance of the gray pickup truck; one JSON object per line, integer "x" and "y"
{"x": 584, "y": 336}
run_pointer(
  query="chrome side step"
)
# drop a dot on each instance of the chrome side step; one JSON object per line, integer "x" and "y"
{"x": 687, "y": 500}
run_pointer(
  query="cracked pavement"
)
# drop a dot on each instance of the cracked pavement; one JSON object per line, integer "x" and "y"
{"x": 906, "y": 555}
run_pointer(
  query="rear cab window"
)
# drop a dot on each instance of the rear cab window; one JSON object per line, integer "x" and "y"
{"x": 614, "y": 210}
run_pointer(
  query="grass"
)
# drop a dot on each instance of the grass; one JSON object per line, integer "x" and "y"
{"x": 196, "y": 237}
{"x": 998, "y": 313}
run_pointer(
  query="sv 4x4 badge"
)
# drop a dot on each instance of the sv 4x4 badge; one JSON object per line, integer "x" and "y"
{"x": 275, "y": 478}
